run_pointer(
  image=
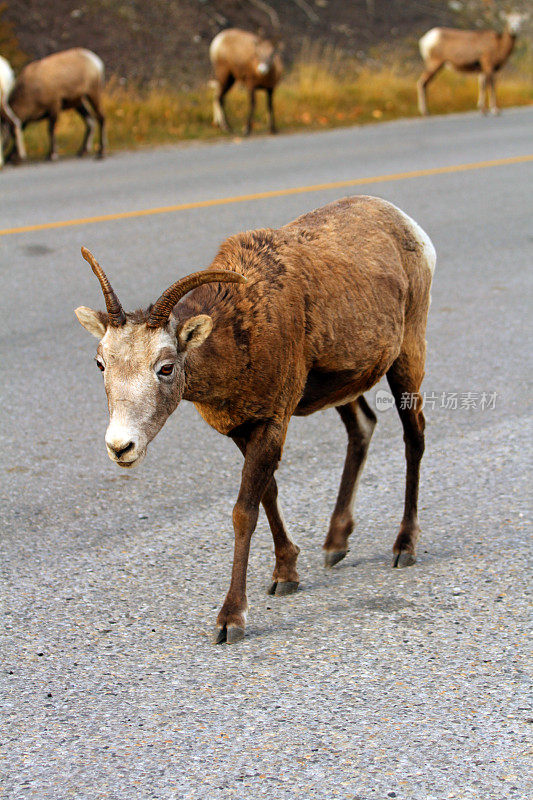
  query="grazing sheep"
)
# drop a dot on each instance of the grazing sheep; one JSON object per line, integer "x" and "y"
{"x": 238, "y": 55}
{"x": 69, "y": 79}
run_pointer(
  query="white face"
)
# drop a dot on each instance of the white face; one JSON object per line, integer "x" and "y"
{"x": 514, "y": 21}
{"x": 265, "y": 54}
{"x": 143, "y": 377}
{"x": 141, "y": 369}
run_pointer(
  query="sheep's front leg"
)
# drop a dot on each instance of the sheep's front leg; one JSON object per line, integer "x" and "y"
{"x": 492, "y": 95}
{"x": 270, "y": 99}
{"x": 263, "y": 452}
{"x": 251, "y": 111}
{"x": 482, "y": 96}
{"x": 285, "y": 579}
{"x": 52, "y": 153}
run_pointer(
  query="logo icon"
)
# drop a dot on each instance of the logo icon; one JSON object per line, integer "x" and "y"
{"x": 384, "y": 400}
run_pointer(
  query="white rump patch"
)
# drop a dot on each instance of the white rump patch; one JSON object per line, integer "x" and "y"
{"x": 428, "y": 42}
{"x": 422, "y": 238}
{"x": 7, "y": 78}
{"x": 96, "y": 60}
{"x": 214, "y": 47}
{"x": 262, "y": 68}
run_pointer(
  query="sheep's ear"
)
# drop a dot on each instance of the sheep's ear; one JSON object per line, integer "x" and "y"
{"x": 195, "y": 331}
{"x": 93, "y": 321}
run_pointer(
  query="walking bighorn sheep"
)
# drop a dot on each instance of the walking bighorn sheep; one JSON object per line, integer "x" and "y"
{"x": 69, "y": 79}
{"x": 242, "y": 56}
{"x": 468, "y": 51}
{"x": 283, "y": 322}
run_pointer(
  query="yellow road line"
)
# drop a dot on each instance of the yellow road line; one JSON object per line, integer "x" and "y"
{"x": 243, "y": 198}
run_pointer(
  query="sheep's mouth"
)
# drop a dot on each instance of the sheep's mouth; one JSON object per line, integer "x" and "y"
{"x": 128, "y": 464}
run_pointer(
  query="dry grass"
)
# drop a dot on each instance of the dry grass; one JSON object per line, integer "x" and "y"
{"x": 320, "y": 92}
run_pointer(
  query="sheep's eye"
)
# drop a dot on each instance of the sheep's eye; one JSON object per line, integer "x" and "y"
{"x": 100, "y": 365}
{"x": 166, "y": 370}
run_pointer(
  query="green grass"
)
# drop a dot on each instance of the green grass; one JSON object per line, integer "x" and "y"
{"x": 315, "y": 95}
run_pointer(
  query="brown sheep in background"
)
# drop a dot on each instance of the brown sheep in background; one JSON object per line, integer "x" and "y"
{"x": 69, "y": 79}
{"x": 468, "y": 51}
{"x": 238, "y": 55}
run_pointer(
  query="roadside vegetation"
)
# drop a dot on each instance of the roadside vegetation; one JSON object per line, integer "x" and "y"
{"x": 322, "y": 90}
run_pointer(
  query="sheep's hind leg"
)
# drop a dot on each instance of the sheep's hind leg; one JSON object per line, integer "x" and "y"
{"x": 359, "y": 421}
{"x": 94, "y": 103}
{"x": 405, "y": 377}
{"x": 87, "y": 117}
{"x": 285, "y": 578}
{"x": 17, "y": 150}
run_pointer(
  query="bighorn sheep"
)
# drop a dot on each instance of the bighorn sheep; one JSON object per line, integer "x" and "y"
{"x": 7, "y": 118}
{"x": 283, "y": 322}
{"x": 242, "y": 56}
{"x": 468, "y": 51}
{"x": 69, "y": 79}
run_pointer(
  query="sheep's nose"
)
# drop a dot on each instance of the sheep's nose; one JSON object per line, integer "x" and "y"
{"x": 121, "y": 444}
{"x": 120, "y": 450}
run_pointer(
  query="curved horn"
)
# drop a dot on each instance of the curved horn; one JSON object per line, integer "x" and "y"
{"x": 162, "y": 308}
{"x": 115, "y": 311}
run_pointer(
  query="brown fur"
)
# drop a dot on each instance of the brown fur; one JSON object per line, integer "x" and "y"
{"x": 236, "y": 55}
{"x": 333, "y": 301}
{"x": 69, "y": 79}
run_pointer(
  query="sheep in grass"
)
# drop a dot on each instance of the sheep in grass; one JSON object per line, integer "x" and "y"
{"x": 483, "y": 52}
{"x": 238, "y": 55}
{"x": 69, "y": 79}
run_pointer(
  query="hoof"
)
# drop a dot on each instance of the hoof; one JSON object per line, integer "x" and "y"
{"x": 282, "y": 588}
{"x": 228, "y": 633}
{"x": 333, "y": 557}
{"x": 403, "y": 559}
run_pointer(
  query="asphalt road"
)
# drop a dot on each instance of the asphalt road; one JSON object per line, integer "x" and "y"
{"x": 369, "y": 682}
